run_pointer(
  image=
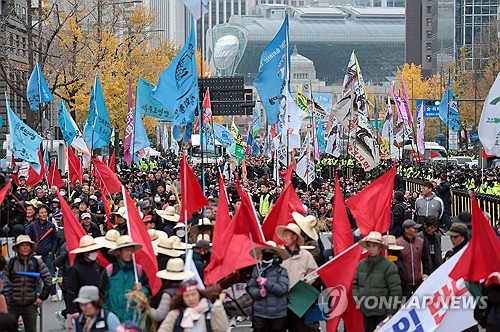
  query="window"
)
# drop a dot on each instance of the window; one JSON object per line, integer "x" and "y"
{"x": 23, "y": 13}
{"x": 428, "y": 57}
{"x": 429, "y": 34}
{"x": 429, "y": 9}
{"x": 429, "y": 46}
{"x": 429, "y": 22}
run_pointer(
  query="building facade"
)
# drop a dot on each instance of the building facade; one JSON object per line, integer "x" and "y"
{"x": 418, "y": 41}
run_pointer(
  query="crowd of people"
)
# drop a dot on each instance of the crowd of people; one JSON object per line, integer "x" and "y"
{"x": 118, "y": 295}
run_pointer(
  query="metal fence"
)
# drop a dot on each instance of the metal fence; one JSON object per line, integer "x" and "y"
{"x": 460, "y": 200}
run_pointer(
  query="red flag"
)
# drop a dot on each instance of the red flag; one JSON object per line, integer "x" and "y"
{"x": 347, "y": 262}
{"x": 53, "y": 177}
{"x": 222, "y": 217}
{"x": 206, "y": 111}
{"x": 482, "y": 256}
{"x": 107, "y": 211}
{"x": 106, "y": 178}
{"x": 15, "y": 177}
{"x": 146, "y": 256}
{"x": 371, "y": 207}
{"x": 4, "y": 191}
{"x": 73, "y": 231}
{"x": 193, "y": 198}
{"x": 33, "y": 177}
{"x": 233, "y": 249}
{"x": 281, "y": 213}
{"x": 341, "y": 228}
{"x": 288, "y": 176}
{"x": 112, "y": 162}
{"x": 74, "y": 166}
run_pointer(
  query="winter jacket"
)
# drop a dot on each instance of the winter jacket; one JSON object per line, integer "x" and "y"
{"x": 63, "y": 263}
{"x": 415, "y": 256}
{"x": 429, "y": 206}
{"x": 274, "y": 304}
{"x": 81, "y": 274}
{"x": 7, "y": 290}
{"x": 23, "y": 287}
{"x": 298, "y": 266}
{"x": 105, "y": 321}
{"x": 218, "y": 320}
{"x": 316, "y": 252}
{"x": 433, "y": 245}
{"x": 49, "y": 243}
{"x": 160, "y": 303}
{"x": 93, "y": 230}
{"x": 492, "y": 293}
{"x": 398, "y": 217}
{"x": 377, "y": 277}
{"x": 114, "y": 287}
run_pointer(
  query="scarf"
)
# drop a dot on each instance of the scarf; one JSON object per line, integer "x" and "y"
{"x": 193, "y": 314}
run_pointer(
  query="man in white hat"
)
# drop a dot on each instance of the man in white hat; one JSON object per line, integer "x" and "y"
{"x": 376, "y": 277}
{"x": 300, "y": 264}
{"x": 25, "y": 298}
{"x": 118, "y": 279}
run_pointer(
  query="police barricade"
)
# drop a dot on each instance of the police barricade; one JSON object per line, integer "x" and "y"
{"x": 460, "y": 200}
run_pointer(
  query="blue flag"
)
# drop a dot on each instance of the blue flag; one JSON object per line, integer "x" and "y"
{"x": 177, "y": 87}
{"x": 255, "y": 148}
{"x": 448, "y": 110}
{"x": 183, "y": 133}
{"x": 148, "y": 105}
{"x": 66, "y": 124}
{"x": 139, "y": 136}
{"x": 97, "y": 131}
{"x": 208, "y": 137}
{"x": 321, "y": 137}
{"x": 257, "y": 123}
{"x": 24, "y": 141}
{"x": 223, "y": 135}
{"x": 1, "y": 122}
{"x": 37, "y": 91}
{"x": 272, "y": 75}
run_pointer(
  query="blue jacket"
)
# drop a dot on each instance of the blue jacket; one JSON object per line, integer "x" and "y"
{"x": 49, "y": 243}
{"x": 275, "y": 304}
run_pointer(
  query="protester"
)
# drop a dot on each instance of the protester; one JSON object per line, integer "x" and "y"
{"x": 394, "y": 255}
{"x": 399, "y": 215}
{"x": 428, "y": 204}
{"x": 300, "y": 264}
{"x": 376, "y": 277}
{"x": 308, "y": 225}
{"x": 432, "y": 241}
{"x": 7, "y": 285}
{"x": 26, "y": 299}
{"x": 415, "y": 255}
{"x": 190, "y": 310}
{"x": 459, "y": 236}
{"x": 118, "y": 279}
{"x": 93, "y": 317}
{"x": 268, "y": 287}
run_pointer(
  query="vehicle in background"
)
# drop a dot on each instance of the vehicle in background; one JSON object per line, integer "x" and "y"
{"x": 209, "y": 157}
{"x": 462, "y": 160}
{"x": 444, "y": 161}
{"x": 472, "y": 164}
{"x": 409, "y": 151}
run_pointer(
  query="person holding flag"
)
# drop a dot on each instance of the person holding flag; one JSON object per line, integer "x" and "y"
{"x": 119, "y": 279}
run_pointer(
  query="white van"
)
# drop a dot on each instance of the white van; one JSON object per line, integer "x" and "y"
{"x": 409, "y": 151}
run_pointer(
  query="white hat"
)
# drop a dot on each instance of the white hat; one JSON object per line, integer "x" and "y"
{"x": 166, "y": 247}
{"x": 175, "y": 270}
{"x": 168, "y": 214}
{"x": 374, "y": 237}
{"x": 108, "y": 241}
{"x": 125, "y": 241}
{"x": 292, "y": 227}
{"x": 307, "y": 224}
{"x": 87, "y": 243}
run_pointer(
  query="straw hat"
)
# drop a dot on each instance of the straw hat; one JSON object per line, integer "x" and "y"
{"x": 122, "y": 212}
{"x": 390, "y": 241}
{"x": 156, "y": 235}
{"x": 307, "y": 224}
{"x": 204, "y": 237}
{"x": 108, "y": 241}
{"x": 165, "y": 246}
{"x": 202, "y": 223}
{"x": 174, "y": 270}
{"x": 374, "y": 237}
{"x": 292, "y": 228}
{"x": 125, "y": 241}
{"x": 34, "y": 202}
{"x": 87, "y": 244}
{"x": 178, "y": 244}
{"x": 168, "y": 214}
{"x": 23, "y": 239}
{"x": 272, "y": 246}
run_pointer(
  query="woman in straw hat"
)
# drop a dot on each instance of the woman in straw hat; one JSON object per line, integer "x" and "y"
{"x": 300, "y": 264}
{"x": 172, "y": 277}
{"x": 190, "y": 310}
{"x": 376, "y": 277}
{"x": 84, "y": 272}
{"x": 268, "y": 287}
{"x": 118, "y": 280}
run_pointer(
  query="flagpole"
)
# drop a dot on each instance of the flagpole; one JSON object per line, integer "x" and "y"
{"x": 448, "y": 117}
{"x": 136, "y": 278}
{"x": 132, "y": 139}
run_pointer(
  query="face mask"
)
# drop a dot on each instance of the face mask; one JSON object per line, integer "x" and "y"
{"x": 157, "y": 199}
{"x": 93, "y": 256}
{"x": 180, "y": 233}
{"x": 267, "y": 256}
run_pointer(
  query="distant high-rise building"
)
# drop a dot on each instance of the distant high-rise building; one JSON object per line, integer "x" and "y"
{"x": 418, "y": 43}
{"x": 443, "y": 33}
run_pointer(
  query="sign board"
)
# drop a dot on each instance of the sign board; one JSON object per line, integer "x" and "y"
{"x": 431, "y": 107}
{"x": 374, "y": 125}
{"x": 453, "y": 140}
{"x": 228, "y": 95}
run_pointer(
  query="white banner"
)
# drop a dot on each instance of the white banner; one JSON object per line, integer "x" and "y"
{"x": 439, "y": 304}
{"x": 489, "y": 125}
